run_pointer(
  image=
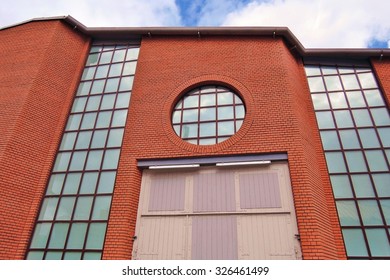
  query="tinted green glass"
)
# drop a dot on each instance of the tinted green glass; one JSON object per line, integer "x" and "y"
{"x": 347, "y": 213}
{"x": 68, "y": 140}
{"x": 99, "y": 138}
{"x": 104, "y": 119}
{"x": 349, "y": 139}
{"x": 78, "y": 160}
{"x": 341, "y": 186}
{"x": 96, "y": 234}
{"x": 41, "y": 235}
{"x": 115, "y": 137}
{"x": 83, "y": 140}
{"x": 355, "y": 161}
{"x": 376, "y": 160}
{"x": 48, "y": 208}
{"x": 325, "y": 120}
{"x": 382, "y": 184}
{"x": 62, "y": 161}
{"x": 335, "y": 162}
{"x": 369, "y": 138}
{"x": 55, "y": 184}
{"x": 123, "y": 100}
{"x": 378, "y": 242}
{"x": 77, "y": 236}
{"x": 119, "y": 118}
{"x": 106, "y": 182}
{"x": 111, "y": 158}
{"x": 362, "y": 186}
{"x": 72, "y": 183}
{"x": 58, "y": 236}
{"x": 101, "y": 207}
{"x": 89, "y": 182}
{"x": 354, "y": 242}
{"x": 370, "y": 212}
{"x": 94, "y": 160}
{"x": 93, "y": 103}
{"x": 65, "y": 208}
{"x": 83, "y": 208}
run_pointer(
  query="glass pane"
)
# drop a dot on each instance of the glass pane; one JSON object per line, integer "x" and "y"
{"x": 104, "y": 119}
{"x": 115, "y": 70}
{"x": 384, "y": 134}
{"x": 354, "y": 243}
{"x": 370, "y": 212}
{"x": 378, "y": 242}
{"x": 88, "y": 185}
{"x": 101, "y": 207}
{"x": 96, "y": 234}
{"x": 99, "y": 138}
{"x": 240, "y": 112}
{"x": 238, "y": 125}
{"x": 55, "y": 184}
{"x": 207, "y": 141}
{"x": 123, "y": 100}
{"x": 62, "y": 162}
{"x": 190, "y": 115}
{"x": 337, "y": 99}
{"x": 225, "y": 113}
{"x": 374, "y": 97}
{"x": 335, "y": 162}
{"x": 376, "y": 161}
{"x": 115, "y": 138}
{"x": 112, "y": 85}
{"x": 58, "y": 236}
{"x": 367, "y": 80}
{"x": 355, "y": 161}
{"x": 350, "y": 82}
{"x": 101, "y": 72}
{"x": 84, "y": 88}
{"x": 77, "y": 236}
{"x": 362, "y": 186}
{"x": 320, "y": 101}
{"x": 207, "y": 129}
{"x": 324, "y": 120}
{"x": 349, "y": 139}
{"x": 126, "y": 83}
{"x": 347, "y": 213}
{"x": 88, "y": 121}
{"x": 177, "y": 129}
{"x": 330, "y": 140}
{"x": 78, "y": 161}
{"x": 316, "y": 84}
{"x": 72, "y": 256}
{"x": 225, "y": 128}
{"x": 105, "y": 58}
{"x": 132, "y": 54}
{"x": 129, "y": 68}
{"x": 65, "y": 208}
{"x": 341, "y": 186}
{"x": 176, "y": 117}
{"x": 119, "y": 55}
{"x": 83, "y": 208}
{"x": 35, "y": 255}
{"x": 92, "y": 59}
{"x": 362, "y": 118}
{"x": 119, "y": 118}
{"x": 93, "y": 103}
{"x": 381, "y": 116}
{"x": 355, "y": 99}
{"x": 53, "y": 255}
{"x": 73, "y": 122}
{"x": 343, "y": 119}
{"x": 88, "y": 73}
{"x": 41, "y": 235}
{"x": 72, "y": 183}
{"x": 191, "y": 101}
{"x": 382, "y": 184}
{"x": 111, "y": 159}
{"x": 225, "y": 98}
{"x": 106, "y": 182}
{"x": 48, "y": 208}
{"x": 369, "y": 138}
{"x": 92, "y": 256}
{"x": 108, "y": 102}
{"x": 94, "y": 160}
{"x": 207, "y": 100}
{"x": 312, "y": 70}
{"x": 189, "y": 131}
{"x": 79, "y": 104}
{"x": 97, "y": 86}
{"x": 333, "y": 83}
{"x": 327, "y": 70}
{"x": 385, "y": 205}
{"x": 83, "y": 140}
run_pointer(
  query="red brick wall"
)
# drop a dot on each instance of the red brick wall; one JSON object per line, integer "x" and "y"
{"x": 41, "y": 63}
{"x": 279, "y": 118}
{"x": 382, "y": 70}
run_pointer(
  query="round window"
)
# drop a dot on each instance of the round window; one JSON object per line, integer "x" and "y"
{"x": 208, "y": 115}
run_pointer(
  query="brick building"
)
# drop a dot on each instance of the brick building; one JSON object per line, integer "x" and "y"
{"x": 190, "y": 143}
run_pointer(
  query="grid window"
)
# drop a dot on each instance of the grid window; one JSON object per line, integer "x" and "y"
{"x": 354, "y": 125}
{"x": 73, "y": 218}
{"x": 208, "y": 115}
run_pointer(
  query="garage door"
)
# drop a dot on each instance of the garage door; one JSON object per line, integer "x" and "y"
{"x": 217, "y": 213}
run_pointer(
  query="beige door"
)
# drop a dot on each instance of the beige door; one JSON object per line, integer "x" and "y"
{"x": 217, "y": 213}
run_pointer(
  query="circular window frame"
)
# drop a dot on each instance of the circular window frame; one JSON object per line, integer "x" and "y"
{"x": 207, "y": 80}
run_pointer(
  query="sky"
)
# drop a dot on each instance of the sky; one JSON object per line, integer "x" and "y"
{"x": 316, "y": 23}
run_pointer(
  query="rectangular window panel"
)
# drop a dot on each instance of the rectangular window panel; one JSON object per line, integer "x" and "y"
{"x": 347, "y": 213}
{"x": 330, "y": 140}
{"x": 341, "y": 186}
{"x": 354, "y": 243}
{"x": 55, "y": 184}
{"x": 335, "y": 162}
{"x": 72, "y": 183}
{"x": 77, "y": 236}
{"x": 362, "y": 186}
{"x": 378, "y": 241}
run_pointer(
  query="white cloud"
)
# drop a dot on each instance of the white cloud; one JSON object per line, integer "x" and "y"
{"x": 320, "y": 24}
{"x": 108, "y": 13}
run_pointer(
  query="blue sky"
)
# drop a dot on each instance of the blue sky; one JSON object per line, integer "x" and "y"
{"x": 316, "y": 23}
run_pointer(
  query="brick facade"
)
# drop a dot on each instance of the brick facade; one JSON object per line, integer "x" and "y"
{"x": 279, "y": 118}
{"x": 41, "y": 64}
